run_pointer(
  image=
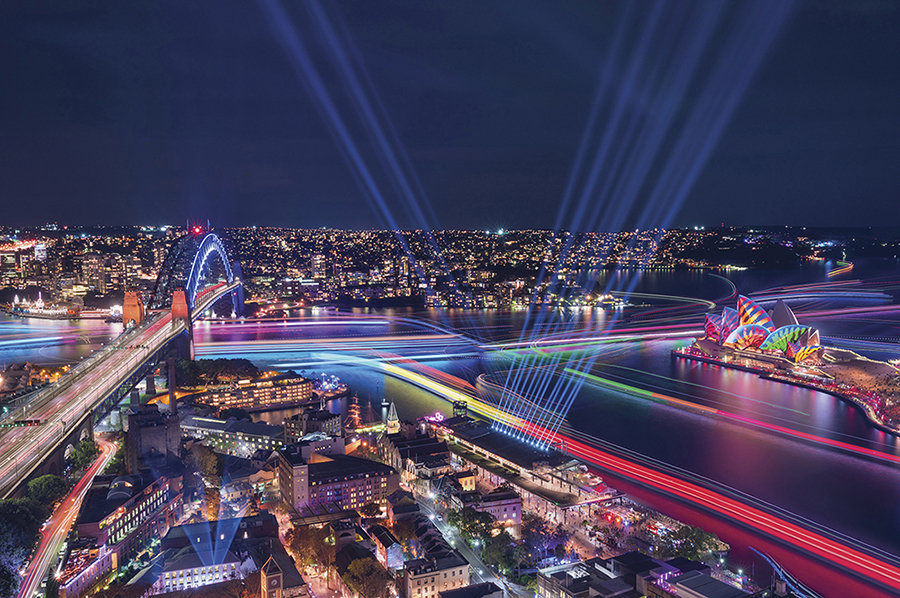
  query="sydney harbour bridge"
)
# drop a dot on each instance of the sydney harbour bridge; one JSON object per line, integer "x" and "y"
{"x": 35, "y": 437}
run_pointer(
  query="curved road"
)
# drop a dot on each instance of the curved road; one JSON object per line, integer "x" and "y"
{"x": 55, "y": 531}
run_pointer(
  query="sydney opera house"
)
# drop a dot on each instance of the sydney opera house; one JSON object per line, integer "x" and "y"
{"x": 775, "y": 333}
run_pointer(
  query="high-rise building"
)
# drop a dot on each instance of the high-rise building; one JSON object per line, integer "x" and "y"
{"x": 95, "y": 271}
{"x": 9, "y": 264}
{"x": 159, "y": 255}
{"x": 319, "y": 265}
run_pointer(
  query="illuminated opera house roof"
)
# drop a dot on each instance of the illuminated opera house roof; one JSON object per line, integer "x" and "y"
{"x": 752, "y": 327}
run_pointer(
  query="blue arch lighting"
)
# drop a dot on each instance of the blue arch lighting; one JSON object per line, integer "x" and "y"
{"x": 209, "y": 245}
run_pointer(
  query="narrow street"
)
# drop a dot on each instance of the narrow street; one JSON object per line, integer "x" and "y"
{"x": 479, "y": 571}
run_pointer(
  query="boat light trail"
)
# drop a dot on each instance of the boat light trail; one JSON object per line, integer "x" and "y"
{"x": 818, "y": 544}
{"x": 842, "y": 268}
{"x": 805, "y": 436}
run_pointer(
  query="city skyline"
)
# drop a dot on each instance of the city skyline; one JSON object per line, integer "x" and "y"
{"x": 202, "y": 112}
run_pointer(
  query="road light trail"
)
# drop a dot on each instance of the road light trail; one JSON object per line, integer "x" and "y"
{"x": 54, "y": 534}
{"x": 80, "y": 392}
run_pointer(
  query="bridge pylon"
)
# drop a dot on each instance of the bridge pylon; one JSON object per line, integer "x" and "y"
{"x": 184, "y": 344}
{"x": 132, "y": 309}
{"x": 238, "y": 293}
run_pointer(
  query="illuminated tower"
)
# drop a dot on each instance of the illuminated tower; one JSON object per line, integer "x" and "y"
{"x": 393, "y": 422}
{"x": 271, "y": 581}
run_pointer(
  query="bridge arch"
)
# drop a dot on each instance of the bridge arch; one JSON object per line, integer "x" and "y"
{"x": 209, "y": 247}
{"x": 183, "y": 269}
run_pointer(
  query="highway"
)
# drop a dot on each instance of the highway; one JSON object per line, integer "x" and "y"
{"x": 55, "y": 531}
{"x": 64, "y": 405}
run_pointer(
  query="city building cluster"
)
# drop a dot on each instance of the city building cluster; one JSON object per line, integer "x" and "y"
{"x": 449, "y": 268}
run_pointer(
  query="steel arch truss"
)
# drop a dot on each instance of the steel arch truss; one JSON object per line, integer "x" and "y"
{"x": 211, "y": 244}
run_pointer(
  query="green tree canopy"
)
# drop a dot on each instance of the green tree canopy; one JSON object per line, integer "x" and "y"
{"x": 405, "y": 531}
{"x": 84, "y": 454}
{"x": 299, "y": 543}
{"x": 209, "y": 464}
{"x": 212, "y": 371}
{"x": 20, "y": 521}
{"x": 498, "y": 551}
{"x": 9, "y": 580}
{"x": 116, "y": 466}
{"x": 212, "y": 500}
{"x": 472, "y": 524}
{"x": 47, "y": 489}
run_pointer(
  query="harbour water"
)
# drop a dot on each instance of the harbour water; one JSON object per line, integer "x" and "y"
{"x": 852, "y": 494}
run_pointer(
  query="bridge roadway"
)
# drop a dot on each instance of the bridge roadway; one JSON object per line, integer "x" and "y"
{"x": 64, "y": 406}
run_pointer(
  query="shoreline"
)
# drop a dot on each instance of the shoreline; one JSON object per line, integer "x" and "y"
{"x": 854, "y": 401}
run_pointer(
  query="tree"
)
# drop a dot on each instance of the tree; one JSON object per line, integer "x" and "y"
{"x": 367, "y": 578}
{"x": 212, "y": 500}
{"x": 405, "y": 531}
{"x": 560, "y": 551}
{"x": 535, "y": 534}
{"x": 688, "y": 542}
{"x": 47, "y": 489}
{"x": 20, "y": 520}
{"x": 472, "y": 524}
{"x": 560, "y": 537}
{"x": 251, "y": 586}
{"x": 301, "y": 543}
{"x": 323, "y": 549}
{"x": 371, "y": 510}
{"x": 520, "y": 554}
{"x": 9, "y": 580}
{"x": 498, "y": 551}
{"x": 206, "y": 462}
{"x": 84, "y": 454}
{"x": 116, "y": 465}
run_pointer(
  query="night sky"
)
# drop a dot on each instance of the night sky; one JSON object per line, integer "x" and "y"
{"x": 157, "y": 112}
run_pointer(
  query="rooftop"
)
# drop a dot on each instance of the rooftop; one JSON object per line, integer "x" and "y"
{"x": 208, "y": 531}
{"x": 334, "y": 467}
{"x": 446, "y": 560}
{"x": 561, "y": 499}
{"x": 382, "y": 535}
{"x": 706, "y": 586}
{"x": 233, "y": 426}
{"x": 108, "y": 493}
{"x": 527, "y": 457}
{"x": 189, "y": 558}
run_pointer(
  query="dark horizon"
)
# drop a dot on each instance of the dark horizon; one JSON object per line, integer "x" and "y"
{"x": 163, "y": 112}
